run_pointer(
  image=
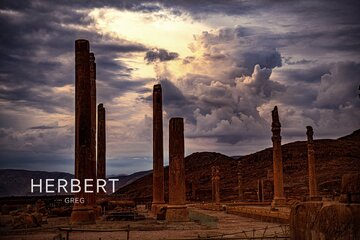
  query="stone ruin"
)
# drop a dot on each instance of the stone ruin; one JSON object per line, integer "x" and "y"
{"x": 89, "y": 163}
{"x": 279, "y": 196}
{"x": 84, "y": 130}
{"x": 85, "y": 157}
{"x": 215, "y": 183}
{"x": 101, "y": 143}
{"x": 329, "y": 220}
{"x": 313, "y": 192}
{"x": 176, "y": 210}
{"x": 158, "y": 155}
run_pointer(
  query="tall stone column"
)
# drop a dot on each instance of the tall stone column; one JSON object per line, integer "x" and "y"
{"x": 176, "y": 210}
{"x": 82, "y": 213}
{"x": 101, "y": 143}
{"x": 279, "y": 197}
{"x": 92, "y": 165}
{"x": 313, "y": 192}
{"x": 158, "y": 155}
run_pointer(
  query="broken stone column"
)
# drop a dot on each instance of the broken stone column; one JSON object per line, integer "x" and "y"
{"x": 176, "y": 210}
{"x": 260, "y": 184}
{"x": 92, "y": 165}
{"x": 279, "y": 197}
{"x": 101, "y": 144}
{"x": 313, "y": 193}
{"x": 216, "y": 184}
{"x": 83, "y": 213}
{"x": 158, "y": 156}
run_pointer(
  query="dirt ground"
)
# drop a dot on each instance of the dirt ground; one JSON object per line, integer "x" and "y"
{"x": 209, "y": 224}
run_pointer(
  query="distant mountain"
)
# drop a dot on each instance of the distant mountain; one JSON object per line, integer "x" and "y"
{"x": 18, "y": 182}
{"x": 127, "y": 179}
{"x": 333, "y": 159}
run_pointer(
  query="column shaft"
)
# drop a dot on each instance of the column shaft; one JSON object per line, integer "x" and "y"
{"x": 101, "y": 143}
{"x": 311, "y": 163}
{"x": 158, "y": 156}
{"x": 82, "y": 213}
{"x": 176, "y": 211}
{"x": 92, "y": 164}
{"x": 279, "y": 197}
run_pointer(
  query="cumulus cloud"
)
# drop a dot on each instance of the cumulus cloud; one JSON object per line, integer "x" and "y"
{"x": 233, "y": 115}
{"x": 232, "y": 52}
{"x": 222, "y": 84}
{"x": 339, "y": 88}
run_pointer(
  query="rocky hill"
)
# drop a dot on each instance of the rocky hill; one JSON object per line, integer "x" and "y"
{"x": 333, "y": 159}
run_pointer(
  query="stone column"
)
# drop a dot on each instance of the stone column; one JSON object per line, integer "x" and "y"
{"x": 92, "y": 165}
{"x": 82, "y": 213}
{"x": 176, "y": 210}
{"x": 212, "y": 185}
{"x": 216, "y": 184}
{"x": 260, "y": 190}
{"x": 240, "y": 187}
{"x": 101, "y": 143}
{"x": 279, "y": 197}
{"x": 158, "y": 155}
{"x": 313, "y": 193}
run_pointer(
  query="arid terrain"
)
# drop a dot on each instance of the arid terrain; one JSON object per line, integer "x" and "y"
{"x": 334, "y": 157}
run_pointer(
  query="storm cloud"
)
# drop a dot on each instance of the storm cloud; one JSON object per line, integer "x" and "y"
{"x": 303, "y": 57}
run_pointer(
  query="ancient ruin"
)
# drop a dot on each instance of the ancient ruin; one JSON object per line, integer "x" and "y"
{"x": 83, "y": 213}
{"x": 329, "y": 220}
{"x": 176, "y": 210}
{"x": 313, "y": 192}
{"x": 158, "y": 155}
{"x": 245, "y": 192}
{"x": 215, "y": 180}
{"x": 279, "y": 197}
{"x": 101, "y": 143}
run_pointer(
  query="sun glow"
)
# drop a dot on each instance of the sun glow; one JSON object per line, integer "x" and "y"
{"x": 162, "y": 29}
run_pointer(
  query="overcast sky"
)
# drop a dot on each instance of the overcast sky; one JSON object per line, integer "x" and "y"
{"x": 223, "y": 66}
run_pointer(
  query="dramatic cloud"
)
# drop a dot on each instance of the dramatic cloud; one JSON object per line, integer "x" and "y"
{"x": 339, "y": 88}
{"x": 223, "y": 67}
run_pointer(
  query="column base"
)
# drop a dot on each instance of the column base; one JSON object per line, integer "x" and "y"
{"x": 177, "y": 213}
{"x": 156, "y": 207}
{"x": 82, "y": 215}
{"x": 278, "y": 202}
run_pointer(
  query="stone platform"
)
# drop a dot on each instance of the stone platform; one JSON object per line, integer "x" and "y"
{"x": 262, "y": 213}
